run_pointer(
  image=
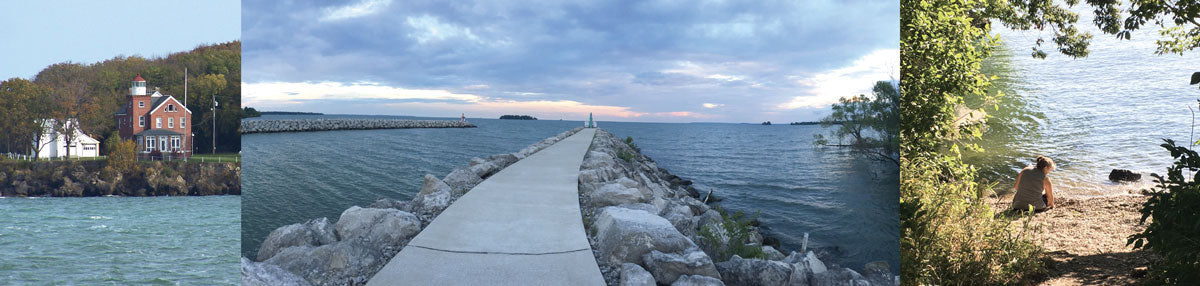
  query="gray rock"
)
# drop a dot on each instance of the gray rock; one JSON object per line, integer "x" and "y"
{"x": 684, "y": 223}
{"x": 667, "y": 267}
{"x": 502, "y": 160}
{"x": 879, "y": 273}
{"x": 642, "y": 206}
{"x": 839, "y": 277}
{"x": 343, "y": 263}
{"x": 624, "y": 235}
{"x": 386, "y": 203}
{"x": 461, "y": 180}
{"x": 616, "y": 194}
{"x": 485, "y": 169}
{"x": 634, "y": 275}
{"x": 697, "y": 280}
{"x": 433, "y": 198}
{"x": 738, "y": 271}
{"x": 476, "y": 161}
{"x": 382, "y": 226}
{"x": 264, "y": 274}
{"x": 598, "y": 160}
{"x": 315, "y": 232}
{"x": 771, "y": 253}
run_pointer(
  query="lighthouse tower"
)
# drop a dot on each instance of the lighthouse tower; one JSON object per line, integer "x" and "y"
{"x": 138, "y": 87}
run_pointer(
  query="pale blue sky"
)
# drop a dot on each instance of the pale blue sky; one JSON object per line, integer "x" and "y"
{"x": 36, "y": 34}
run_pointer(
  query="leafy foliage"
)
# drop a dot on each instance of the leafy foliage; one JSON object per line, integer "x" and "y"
{"x": 1174, "y": 213}
{"x": 629, "y": 141}
{"x": 859, "y": 115}
{"x": 949, "y": 236}
{"x": 94, "y": 92}
{"x": 731, "y": 236}
{"x": 122, "y": 155}
{"x": 248, "y": 112}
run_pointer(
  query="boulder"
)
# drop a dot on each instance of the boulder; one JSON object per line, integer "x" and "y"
{"x": 879, "y": 273}
{"x": 697, "y": 280}
{"x": 1122, "y": 175}
{"x": 381, "y": 226}
{"x": 502, "y": 160}
{"x": 634, "y": 275}
{"x": 667, "y": 267}
{"x": 477, "y": 161}
{"x": 344, "y": 263}
{"x": 738, "y": 271}
{"x": 264, "y": 274}
{"x": 624, "y": 235}
{"x": 598, "y": 160}
{"x": 485, "y": 169}
{"x": 771, "y": 253}
{"x": 839, "y": 277}
{"x": 684, "y": 223}
{"x": 386, "y": 203}
{"x": 433, "y": 198}
{"x": 461, "y": 180}
{"x": 642, "y": 206}
{"x": 315, "y": 232}
{"x": 616, "y": 194}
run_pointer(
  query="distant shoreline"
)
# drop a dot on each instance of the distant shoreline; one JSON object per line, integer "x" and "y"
{"x": 290, "y": 113}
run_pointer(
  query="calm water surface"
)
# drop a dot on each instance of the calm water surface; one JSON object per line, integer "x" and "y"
{"x": 1091, "y": 115}
{"x": 120, "y": 241}
{"x": 848, "y": 205}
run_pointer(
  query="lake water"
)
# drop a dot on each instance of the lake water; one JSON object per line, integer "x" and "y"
{"x": 120, "y": 241}
{"x": 1107, "y": 111}
{"x": 847, "y": 204}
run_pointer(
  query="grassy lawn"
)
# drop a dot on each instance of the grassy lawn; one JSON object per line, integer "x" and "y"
{"x": 219, "y": 157}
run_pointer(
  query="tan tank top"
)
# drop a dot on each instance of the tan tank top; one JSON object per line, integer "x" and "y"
{"x": 1030, "y": 189}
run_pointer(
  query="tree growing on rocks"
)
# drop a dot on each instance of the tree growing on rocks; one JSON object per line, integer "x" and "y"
{"x": 858, "y": 116}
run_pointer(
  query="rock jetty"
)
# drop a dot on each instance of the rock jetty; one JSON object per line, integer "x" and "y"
{"x": 645, "y": 225}
{"x": 649, "y": 227}
{"x": 304, "y": 125}
{"x": 351, "y": 250}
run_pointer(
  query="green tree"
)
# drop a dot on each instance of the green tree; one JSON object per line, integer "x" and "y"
{"x": 948, "y": 235}
{"x": 23, "y": 111}
{"x": 122, "y": 155}
{"x": 860, "y": 115}
{"x": 1174, "y": 212}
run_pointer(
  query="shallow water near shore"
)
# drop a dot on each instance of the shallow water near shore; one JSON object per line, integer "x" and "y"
{"x": 119, "y": 240}
{"x": 847, "y": 204}
{"x": 1107, "y": 111}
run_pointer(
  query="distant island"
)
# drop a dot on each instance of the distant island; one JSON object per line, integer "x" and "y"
{"x": 518, "y": 117}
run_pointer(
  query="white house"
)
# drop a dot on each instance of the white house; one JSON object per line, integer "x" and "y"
{"x": 53, "y": 144}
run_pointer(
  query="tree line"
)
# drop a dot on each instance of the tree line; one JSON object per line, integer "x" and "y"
{"x": 92, "y": 94}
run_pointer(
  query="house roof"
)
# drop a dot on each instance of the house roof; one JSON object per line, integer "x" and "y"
{"x": 122, "y": 110}
{"x": 157, "y": 132}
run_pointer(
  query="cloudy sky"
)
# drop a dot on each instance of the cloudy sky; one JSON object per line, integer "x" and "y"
{"x": 37, "y": 34}
{"x": 657, "y": 61}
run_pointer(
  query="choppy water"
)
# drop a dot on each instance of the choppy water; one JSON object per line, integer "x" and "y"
{"x": 119, "y": 241}
{"x": 1091, "y": 115}
{"x": 845, "y": 203}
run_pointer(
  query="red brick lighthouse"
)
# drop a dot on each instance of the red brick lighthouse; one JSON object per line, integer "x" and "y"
{"x": 158, "y": 123}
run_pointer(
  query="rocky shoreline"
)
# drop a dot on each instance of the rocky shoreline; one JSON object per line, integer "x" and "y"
{"x": 645, "y": 225}
{"x": 92, "y": 179}
{"x": 305, "y": 125}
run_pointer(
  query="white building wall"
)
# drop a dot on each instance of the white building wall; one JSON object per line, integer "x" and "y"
{"x": 53, "y": 145}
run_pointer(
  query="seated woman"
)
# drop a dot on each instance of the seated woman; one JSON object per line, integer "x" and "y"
{"x": 1031, "y": 182}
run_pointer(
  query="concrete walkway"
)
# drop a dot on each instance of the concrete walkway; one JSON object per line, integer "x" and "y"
{"x": 521, "y": 226}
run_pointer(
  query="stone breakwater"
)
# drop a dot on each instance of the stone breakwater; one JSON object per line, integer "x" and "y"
{"x": 649, "y": 227}
{"x": 304, "y": 125}
{"x": 92, "y": 179}
{"x": 351, "y": 250}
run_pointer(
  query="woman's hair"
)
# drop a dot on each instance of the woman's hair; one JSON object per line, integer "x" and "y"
{"x": 1043, "y": 162}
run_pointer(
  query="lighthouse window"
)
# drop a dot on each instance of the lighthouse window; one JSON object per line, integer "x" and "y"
{"x": 141, "y": 104}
